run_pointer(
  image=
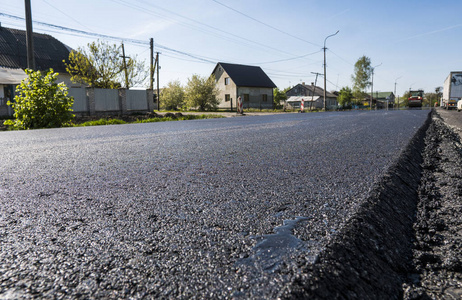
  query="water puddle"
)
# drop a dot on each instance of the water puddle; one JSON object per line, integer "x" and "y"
{"x": 271, "y": 249}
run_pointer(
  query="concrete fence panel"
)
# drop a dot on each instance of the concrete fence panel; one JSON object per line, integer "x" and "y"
{"x": 80, "y": 99}
{"x": 137, "y": 100}
{"x": 106, "y": 100}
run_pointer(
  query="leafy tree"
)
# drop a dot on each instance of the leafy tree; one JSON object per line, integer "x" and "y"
{"x": 101, "y": 66}
{"x": 439, "y": 94}
{"x": 136, "y": 71}
{"x": 41, "y": 102}
{"x": 362, "y": 74}
{"x": 279, "y": 96}
{"x": 430, "y": 99}
{"x": 201, "y": 92}
{"x": 345, "y": 97}
{"x": 173, "y": 96}
{"x": 405, "y": 99}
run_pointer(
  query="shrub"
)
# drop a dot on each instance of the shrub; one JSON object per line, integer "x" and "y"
{"x": 41, "y": 102}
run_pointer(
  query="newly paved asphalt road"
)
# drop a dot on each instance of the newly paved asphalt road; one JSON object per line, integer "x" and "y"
{"x": 208, "y": 208}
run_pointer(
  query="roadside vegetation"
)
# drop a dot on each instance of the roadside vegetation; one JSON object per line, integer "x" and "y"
{"x": 159, "y": 118}
{"x": 41, "y": 102}
{"x": 102, "y": 65}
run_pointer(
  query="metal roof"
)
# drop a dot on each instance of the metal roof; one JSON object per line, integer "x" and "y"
{"x": 11, "y": 76}
{"x": 247, "y": 76}
{"x": 48, "y": 51}
{"x": 318, "y": 91}
{"x": 305, "y": 98}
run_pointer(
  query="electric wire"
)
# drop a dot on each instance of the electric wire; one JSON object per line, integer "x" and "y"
{"x": 103, "y": 36}
{"x": 193, "y": 24}
{"x": 265, "y": 24}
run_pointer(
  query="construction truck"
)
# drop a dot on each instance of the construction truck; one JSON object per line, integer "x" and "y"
{"x": 452, "y": 90}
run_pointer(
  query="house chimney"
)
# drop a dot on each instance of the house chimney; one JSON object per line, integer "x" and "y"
{"x": 312, "y": 83}
{"x": 303, "y": 83}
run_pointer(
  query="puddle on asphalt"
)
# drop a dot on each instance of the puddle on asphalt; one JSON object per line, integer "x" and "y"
{"x": 271, "y": 249}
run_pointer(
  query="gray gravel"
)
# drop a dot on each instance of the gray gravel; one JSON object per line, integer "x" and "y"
{"x": 185, "y": 209}
{"x": 437, "y": 259}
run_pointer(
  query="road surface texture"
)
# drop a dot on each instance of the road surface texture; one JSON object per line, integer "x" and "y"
{"x": 313, "y": 205}
{"x": 438, "y": 228}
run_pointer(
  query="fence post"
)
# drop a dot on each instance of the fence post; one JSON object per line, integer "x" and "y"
{"x": 150, "y": 99}
{"x": 123, "y": 100}
{"x": 90, "y": 92}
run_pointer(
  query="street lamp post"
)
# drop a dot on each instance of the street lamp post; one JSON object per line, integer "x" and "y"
{"x": 395, "y": 89}
{"x": 372, "y": 83}
{"x": 325, "y": 67}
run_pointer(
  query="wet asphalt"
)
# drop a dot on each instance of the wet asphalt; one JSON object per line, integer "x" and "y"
{"x": 220, "y": 208}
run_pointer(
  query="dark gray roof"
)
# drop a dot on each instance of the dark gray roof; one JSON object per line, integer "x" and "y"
{"x": 48, "y": 51}
{"x": 319, "y": 91}
{"x": 248, "y": 76}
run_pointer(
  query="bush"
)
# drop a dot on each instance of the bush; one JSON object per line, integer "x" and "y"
{"x": 201, "y": 93}
{"x": 41, "y": 102}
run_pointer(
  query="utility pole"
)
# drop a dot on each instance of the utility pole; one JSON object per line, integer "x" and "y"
{"x": 372, "y": 83}
{"x": 325, "y": 67}
{"x": 314, "y": 88}
{"x": 125, "y": 66}
{"x": 29, "y": 37}
{"x": 158, "y": 94}
{"x": 151, "y": 70}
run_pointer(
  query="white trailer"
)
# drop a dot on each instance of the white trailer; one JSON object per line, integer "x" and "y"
{"x": 452, "y": 90}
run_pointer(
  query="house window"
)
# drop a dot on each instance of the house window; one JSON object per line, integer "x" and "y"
{"x": 264, "y": 97}
{"x": 246, "y": 97}
{"x": 227, "y": 98}
{"x": 226, "y": 80}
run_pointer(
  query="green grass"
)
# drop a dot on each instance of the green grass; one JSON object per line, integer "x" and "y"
{"x": 101, "y": 122}
{"x": 184, "y": 117}
{"x": 104, "y": 121}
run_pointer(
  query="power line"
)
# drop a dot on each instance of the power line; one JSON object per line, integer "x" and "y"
{"x": 287, "y": 59}
{"x": 265, "y": 24}
{"x": 69, "y": 16}
{"x": 103, "y": 36}
{"x": 228, "y": 35}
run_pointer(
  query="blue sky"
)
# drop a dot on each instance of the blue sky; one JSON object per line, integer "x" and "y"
{"x": 417, "y": 43}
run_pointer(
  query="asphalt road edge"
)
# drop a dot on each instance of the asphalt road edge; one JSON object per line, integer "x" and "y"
{"x": 372, "y": 254}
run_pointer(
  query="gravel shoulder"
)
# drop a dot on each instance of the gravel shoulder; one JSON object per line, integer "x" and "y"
{"x": 437, "y": 258}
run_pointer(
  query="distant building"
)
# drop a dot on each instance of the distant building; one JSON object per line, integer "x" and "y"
{"x": 248, "y": 82}
{"x": 312, "y": 95}
{"x": 384, "y": 98}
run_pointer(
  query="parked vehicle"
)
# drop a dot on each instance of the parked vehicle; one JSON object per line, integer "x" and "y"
{"x": 452, "y": 90}
{"x": 459, "y": 105}
{"x": 415, "y": 98}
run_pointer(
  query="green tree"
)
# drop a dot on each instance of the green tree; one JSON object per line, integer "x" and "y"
{"x": 137, "y": 73}
{"x": 173, "y": 96}
{"x": 439, "y": 94}
{"x": 362, "y": 74}
{"x": 430, "y": 99}
{"x": 41, "y": 102}
{"x": 345, "y": 97}
{"x": 279, "y": 96}
{"x": 101, "y": 66}
{"x": 405, "y": 100}
{"x": 201, "y": 93}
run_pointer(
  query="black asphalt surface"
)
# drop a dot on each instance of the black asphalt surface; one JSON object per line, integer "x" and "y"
{"x": 217, "y": 208}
